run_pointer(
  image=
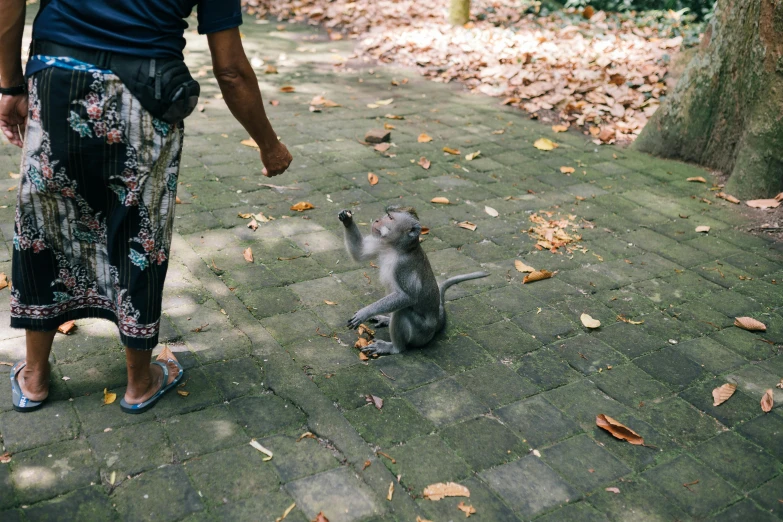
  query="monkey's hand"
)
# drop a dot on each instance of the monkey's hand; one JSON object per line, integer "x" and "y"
{"x": 358, "y": 318}
{"x": 346, "y": 217}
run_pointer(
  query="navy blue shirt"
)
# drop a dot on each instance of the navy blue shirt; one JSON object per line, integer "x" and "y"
{"x": 149, "y": 28}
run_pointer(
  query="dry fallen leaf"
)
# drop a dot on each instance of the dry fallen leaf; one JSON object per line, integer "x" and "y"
{"x": 468, "y": 510}
{"x": 702, "y": 228}
{"x": 449, "y": 489}
{"x": 467, "y": 225}
{"x": 248, "y": 254}
{"x": 727, "y": 197}
{"x": 287, "y": 88}
{"x": 618, "y": 430}
{"x": 360, "y": 343}
{"x": 3, "y": 280}
{"x": 389, "y": 126}
{"x": 763, "y": 203}
{"x": 286, "y": 512}
{"x": 257, "y": 445}
{"x": 613, "y": 490}
{"x": 424, "y": 163}
{"x": 108, "y": 398}
{"x": 306, "y": 435}
{"x": 391, "y": 491}
{"x": 767, "y": 401}
{"x": 270, "y": 69}
{"x": 589, "y": 322}
{"x": 559, "y": 128}
{"x": 522, "y": 267}
{"x": 250, "y": 142}
{"x": 545, "y": 144}
{"x": 440, "y": 199}
{"x": 67, "y": 328}
{"x": 320, "y": 517}
{"x": 374, "y": 400}
{"x": 302, "y": 206}
{"x": 165, "y": 355}
{"x": 697, "y": 179}
{"x": 320, "y": 100}
{"x": 372, "y": 178}
{"x": 177, "y": 201}
{"x": 510, "y": 101}
{"x": 394, "y": 117}
{"x": 449, "y": 150}
{"x": 183, "y": 393}
{"x": 5, "y": 458}
{"x": 424, "y": 138}
{"x": 567, "y": 170}
{"x": 253, "y": 225}
{"x": 472, "y": 155}
{"x": 14, "y": 175}
{"x": 363, "y": 356}
{"x": 537, "y": 275}
{"x": 750, "y": 324}
{"x": 382, "y": 147}
{"x": 330, "y": 303}
{"x": 420, "y": 519}
{"x": 491, "y": 211}
{"x": 722, "y": 393}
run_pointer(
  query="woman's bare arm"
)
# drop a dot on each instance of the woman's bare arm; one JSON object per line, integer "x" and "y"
{"x": 239, "y": 86}
{"x": 13, "y": 109}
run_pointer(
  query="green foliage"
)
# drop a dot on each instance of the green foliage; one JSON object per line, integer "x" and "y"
{"x": 700, "y": 9}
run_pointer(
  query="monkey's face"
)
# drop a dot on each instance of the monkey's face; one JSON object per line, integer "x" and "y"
{"x": 396, "y": 228}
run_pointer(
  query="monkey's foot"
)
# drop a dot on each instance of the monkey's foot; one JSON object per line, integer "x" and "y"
{"x": 379, "y": 347}
{"x": 381, "y": 321}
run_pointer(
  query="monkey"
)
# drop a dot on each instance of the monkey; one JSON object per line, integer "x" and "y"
{"x": 415, "y": 302}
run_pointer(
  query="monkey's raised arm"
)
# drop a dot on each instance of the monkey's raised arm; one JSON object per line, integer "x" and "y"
{"x": 386, "y": 305}
{"x": 360, "y": 248}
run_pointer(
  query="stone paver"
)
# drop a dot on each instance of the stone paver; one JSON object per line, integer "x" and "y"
{"x": 504, "y": 401}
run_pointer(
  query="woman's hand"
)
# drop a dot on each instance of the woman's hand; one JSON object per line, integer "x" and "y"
{"x": 276, "y": 159}
{"x": 13, "y": 117}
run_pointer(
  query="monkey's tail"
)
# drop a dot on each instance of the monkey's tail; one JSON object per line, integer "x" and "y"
{"x": 458, "y": 279}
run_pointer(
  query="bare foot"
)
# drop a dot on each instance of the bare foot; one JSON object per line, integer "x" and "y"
{"x": 34, "y": 382}
{"x": 155, "y": 382}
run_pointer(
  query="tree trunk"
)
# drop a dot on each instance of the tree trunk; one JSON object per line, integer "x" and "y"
{"x": 459, "y": 12}
{"x": 726, "y": 111}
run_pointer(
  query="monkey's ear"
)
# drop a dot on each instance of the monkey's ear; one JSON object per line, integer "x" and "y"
{"x": 415, "y": 230}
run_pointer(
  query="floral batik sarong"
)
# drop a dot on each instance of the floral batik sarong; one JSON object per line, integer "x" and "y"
{"x": 95, "y": 207}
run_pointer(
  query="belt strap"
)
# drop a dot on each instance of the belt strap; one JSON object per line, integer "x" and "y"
{"x": 100, "y": 59}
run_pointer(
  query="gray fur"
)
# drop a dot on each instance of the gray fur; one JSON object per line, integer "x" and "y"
{"x": 415, "y": 302}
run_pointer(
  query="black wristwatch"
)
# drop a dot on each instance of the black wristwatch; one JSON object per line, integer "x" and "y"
{"x": 14, "y": 91}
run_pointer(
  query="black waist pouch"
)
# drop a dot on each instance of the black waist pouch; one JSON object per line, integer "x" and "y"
{"x": 163, "y": 86}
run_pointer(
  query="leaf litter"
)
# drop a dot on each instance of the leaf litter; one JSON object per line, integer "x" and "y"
{"x": 442, "y": 490}
{"x": 723, "y": 393}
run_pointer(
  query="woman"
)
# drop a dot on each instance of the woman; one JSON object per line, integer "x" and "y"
{"x": 101, "y": 145}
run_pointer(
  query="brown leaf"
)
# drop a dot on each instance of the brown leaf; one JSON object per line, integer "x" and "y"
{"x": 424, "y": 138}
{"x": 545, "y": 144}
{"x": 441, "y": 200}
{"x": 763, "y": 203}
{"x": 510, "y": 101}
{"x": 257, "y": 445}
{"x": 108, "y": 398}
{"x": 320, "y": 100}
{"x": 270, "y": 69}
{"x": 522, "y": 267}
{"x": 320, "y": 517}
{"x": 374, "y": 400}
{"x": 389, "y": 126}
{"x": 702, "y": 228}
{"x": 287, "y": 88}
{"x": 177, "y": 201}
{"x": 537, "y": 275}
{"x": 391, "y": 491}
{"x": 468, "y": 510}
{"x": 425, "y": 231}
{"x": 618, "y": 430}
{"x": 567, "y": 170}
{"x": 250, "y": 142}
{"x": 722, "y": 393}
{"x": 697, "y": 179}
{"x": 372, "y": 178}
{"x": 779, "y": 197}
{"x": 589, "y": 322}
{"x": 394, "y": 117}
{"x": 467, "y": 225}
{"x": 5, "y": 458}
{"x": 727, "y": 197}
{"x": 67, "y": 328}
{"x": 274, "y": 103}
{"x": 559, "y": 128}
{"x": 424, "y": 163}
{"x": 14, "y": 175}
{"x": 422, "y": 519}
{"x": 750, "y": 324}
{"x": 382, "y": 147}
{"x": 253, "y": 225}
{"x": 614, "y": 490}
{"x": 767, "y": 401}
{"x": 286, "y": 512}
{"x": 363, "y": 356}
{"x": 588, "y": 12}
{"x": 449, "y": 489}
{"x": 183, "y": 393}
{"x": 449, "y": 150}
{"x": 472, "y": 155}
{"x": 330, "y": 303}
{"x": 302, "y": 206}
{"x": 248, "y": 254}
{"x": 306, "y": 435}
{"x": 361, "y": 343}
{"x": 3, "y": 280}
{"x": 366, "y": 465}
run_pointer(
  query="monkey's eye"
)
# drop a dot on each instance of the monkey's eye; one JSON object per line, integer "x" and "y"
{"x": 389, "y": 216}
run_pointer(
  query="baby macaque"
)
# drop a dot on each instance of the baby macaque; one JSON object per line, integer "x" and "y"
{"x": 415, "y": 301}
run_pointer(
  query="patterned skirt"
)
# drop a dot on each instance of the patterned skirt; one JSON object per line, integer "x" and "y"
{"x": 95, "y": 207}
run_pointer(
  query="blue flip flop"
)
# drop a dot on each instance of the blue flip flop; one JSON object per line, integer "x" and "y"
{"x": 18, "y": 399}
{"x": 149, "y": 403}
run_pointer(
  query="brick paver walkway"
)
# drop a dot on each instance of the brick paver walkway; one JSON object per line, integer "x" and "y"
{"x": 504, "y": 402}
